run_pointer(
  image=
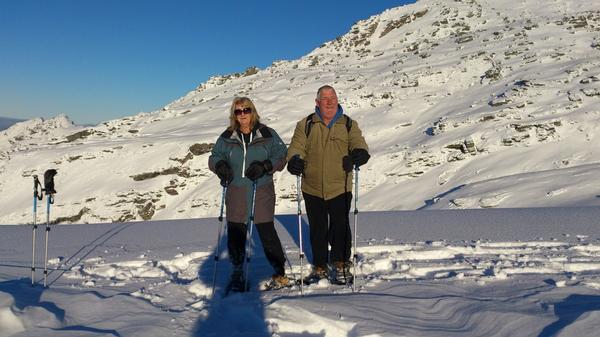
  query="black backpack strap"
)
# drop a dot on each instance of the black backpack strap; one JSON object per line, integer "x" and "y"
{"x": 348, "y": 123}
{"x": 264, "y": 131}
{"x": 308, "y": 125}
{"x": 227, "y": 133}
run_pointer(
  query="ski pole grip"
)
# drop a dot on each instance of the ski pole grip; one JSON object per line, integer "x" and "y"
{"x": 37, "y": 193}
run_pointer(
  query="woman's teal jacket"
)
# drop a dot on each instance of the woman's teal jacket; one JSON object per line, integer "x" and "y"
{"x": 264, "y": 144}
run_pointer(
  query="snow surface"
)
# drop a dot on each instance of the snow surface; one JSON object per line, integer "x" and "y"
{"x": 465, "y": 104}
{"x": 491, "y": 272}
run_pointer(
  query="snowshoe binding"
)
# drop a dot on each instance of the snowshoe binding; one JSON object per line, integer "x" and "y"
{"x": 237, "y": 284}
{"x": 317, "y": 274}
{"x": 341, "y": 273}
{"x": 278, "y": 282}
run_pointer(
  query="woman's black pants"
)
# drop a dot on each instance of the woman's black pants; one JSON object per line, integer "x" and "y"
{"x": 236, "y": 244}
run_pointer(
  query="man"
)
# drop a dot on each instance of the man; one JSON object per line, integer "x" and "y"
{"x": 325, "y": 147}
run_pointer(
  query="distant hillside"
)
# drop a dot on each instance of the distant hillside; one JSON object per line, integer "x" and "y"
{"x": 5, "y": 122}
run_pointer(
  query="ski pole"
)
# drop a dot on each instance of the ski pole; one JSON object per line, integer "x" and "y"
{"x": 37, "y": 195}
{"x": 301, "y": 252}
{"x": 218, "y": 252}
{"x": 49, "y": 190}
{"x": 355, "y": 255}
{"x": 249, "y": 237}
{"x": 49, "y": 201}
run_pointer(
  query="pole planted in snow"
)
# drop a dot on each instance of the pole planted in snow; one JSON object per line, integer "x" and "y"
{"x": 49, "y": 190}
{"x": 218, "y": 251}
{"x": 37, "y": 195}
{"x": 249, "y": 236}
{"x": 301, "y": 252}
{"x": 355, "y": 255}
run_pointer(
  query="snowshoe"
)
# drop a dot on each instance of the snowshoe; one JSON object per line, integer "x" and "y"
{"x": 318, "y": 273}
{"x": 278, "y": 282}
{"x": 341, "y": 273}
{"x": 237, "y": 284}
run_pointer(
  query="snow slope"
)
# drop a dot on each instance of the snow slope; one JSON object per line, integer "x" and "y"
{"x": 465, "y": 104}
{"x": 493, "y": 272}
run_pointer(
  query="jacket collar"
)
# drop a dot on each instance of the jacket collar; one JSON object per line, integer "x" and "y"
{"x": 338, "y": 114}
{"x": 259, "y": 131}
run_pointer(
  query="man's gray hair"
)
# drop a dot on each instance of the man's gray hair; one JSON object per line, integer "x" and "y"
{"x": 325, "y": 87}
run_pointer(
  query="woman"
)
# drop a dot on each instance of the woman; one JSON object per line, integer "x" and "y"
{"x": 249, "y": 152}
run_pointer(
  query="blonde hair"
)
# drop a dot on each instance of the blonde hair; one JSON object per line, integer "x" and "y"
{"x": 244, "y": 102}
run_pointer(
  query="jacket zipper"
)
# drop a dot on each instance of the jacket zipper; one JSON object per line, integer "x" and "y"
{"x": 245, "y": 150}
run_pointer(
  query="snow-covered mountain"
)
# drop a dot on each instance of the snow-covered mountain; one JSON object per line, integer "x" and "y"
{"x": 465, "y": 104}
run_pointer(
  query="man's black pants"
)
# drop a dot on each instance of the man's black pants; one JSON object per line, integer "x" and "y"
{"x": 329, "y": 224}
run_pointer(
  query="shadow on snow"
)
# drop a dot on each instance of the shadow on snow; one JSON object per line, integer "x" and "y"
{"x": 569, "y": 310}
{"x": 86, "y": 250}
{"x": 243, "y": 314}
{"x": 27, "y": 296}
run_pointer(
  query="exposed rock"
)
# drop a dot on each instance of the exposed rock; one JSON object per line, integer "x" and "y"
{"x": 250, "y": 71}
{"x": 494, "y": 73}
{"x": 464, "y": 39}
{"x": 466, "y": 146}
{"x": 589, "y": 80}
{"x": 73, "y": 218}
{"x": 470, "y": 146}
{"x": 501, "y": 99}
{"x": 362, "y": 36}
{"x": 147, "y": 211}
{"x": 394, "y": 24}
{"x": 171, "y": 190}
{"x": 183, "y": 160}
{"x": 574, "y": 96}
{"x": 125, "y": 217}
{"x": 79, "y": 135}
{"x": 202, "y": 148}
{"x": 590, "y": 92}
{"x": 179, "y": 171}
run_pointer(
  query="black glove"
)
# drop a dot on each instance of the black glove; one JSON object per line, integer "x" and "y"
{"x": 224, "y": 172}
{"x": 359, "y": 156}
{"x": 296, "y": 165}
{"x": 347, "y": 164}
{"x": 257, "y": 169}
{"x": 49, "y": 181}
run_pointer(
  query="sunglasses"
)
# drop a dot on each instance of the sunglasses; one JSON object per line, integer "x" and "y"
{"x": 244, "y": 111}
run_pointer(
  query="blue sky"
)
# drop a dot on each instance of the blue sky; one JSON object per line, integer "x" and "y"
{"x": 105, "y": 59}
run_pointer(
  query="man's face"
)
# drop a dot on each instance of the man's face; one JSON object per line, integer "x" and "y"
{"x": 327, "y": 103}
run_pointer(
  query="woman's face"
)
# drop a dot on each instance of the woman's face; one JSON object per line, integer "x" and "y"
{"x": 243, "y": 115}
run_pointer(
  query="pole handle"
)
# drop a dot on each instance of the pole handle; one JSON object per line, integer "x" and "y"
{"x": 37, "y": 194}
